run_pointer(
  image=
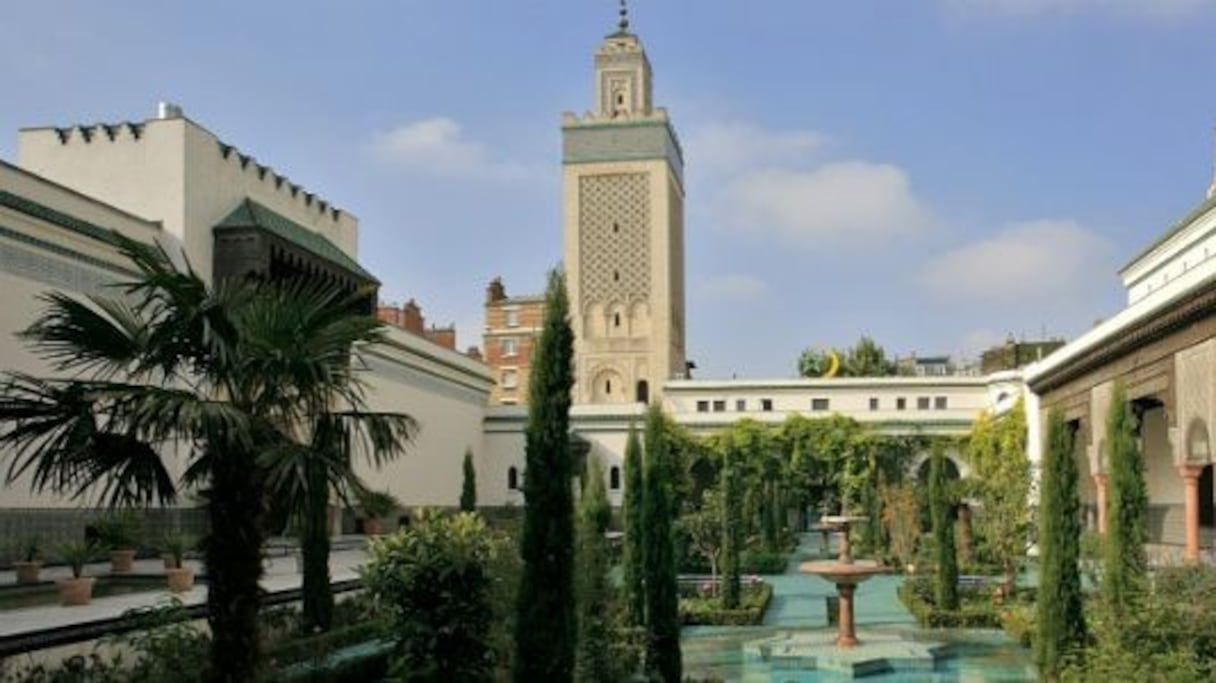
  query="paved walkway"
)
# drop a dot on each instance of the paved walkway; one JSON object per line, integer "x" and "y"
{"x": 281, "y": 574}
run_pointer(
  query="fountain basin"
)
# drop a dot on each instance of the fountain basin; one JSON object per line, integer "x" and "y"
{"x": 839, "y": 572}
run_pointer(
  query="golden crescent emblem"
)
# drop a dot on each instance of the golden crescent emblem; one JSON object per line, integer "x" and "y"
{"x": 833, "y": 365}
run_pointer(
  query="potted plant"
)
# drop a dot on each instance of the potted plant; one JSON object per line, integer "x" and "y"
{"x": 77, "y": 590}
{"x": 119, "y": 532}
{"x": 181, "y": 579}
{"x": 30, "y": 552}
{"x": 377, "y": 505}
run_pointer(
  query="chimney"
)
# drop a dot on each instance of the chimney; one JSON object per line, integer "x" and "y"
{"x": 411, "y": 318}
{"x": 474, "y": 353}
{"x": 168, "y": 110}
{"x": 442, "y": 336}
{"x": 495, "y": 292}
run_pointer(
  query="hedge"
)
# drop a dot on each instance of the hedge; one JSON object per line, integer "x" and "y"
{"x": 753, "y": 603}
{"x": 916, "y": 595}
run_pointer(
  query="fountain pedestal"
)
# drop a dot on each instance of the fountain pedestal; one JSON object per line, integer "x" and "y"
{"x": 846, "y": 574}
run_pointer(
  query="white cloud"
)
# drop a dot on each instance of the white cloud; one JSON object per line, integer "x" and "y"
{"x": 734, "y": 287}
{"x": 1157, "y": 8}
{"x": 1055, "y": 264}
{"x": 724, "y": 148}
{"x": 852, "y": 201}
{"x": 439, "y": 146}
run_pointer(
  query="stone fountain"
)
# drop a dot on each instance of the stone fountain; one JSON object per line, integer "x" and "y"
{"x": 798, "y": 655}
{"x": 846, "y": 573}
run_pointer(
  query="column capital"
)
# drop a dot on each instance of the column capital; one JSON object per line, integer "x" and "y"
{"x": 1100, "y": 478}
{"x": 1190, "y": 472}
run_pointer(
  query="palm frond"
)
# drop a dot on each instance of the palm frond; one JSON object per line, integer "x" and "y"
{"x": 106, "y": 337}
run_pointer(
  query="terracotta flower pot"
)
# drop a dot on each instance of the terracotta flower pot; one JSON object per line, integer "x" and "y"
{"x": 122, "y": 561}
{"x": 27, "y": 572}
{"x": 180, "y": 579}
{"x": 76, "y": 591}
{"x": 373, "y": 526}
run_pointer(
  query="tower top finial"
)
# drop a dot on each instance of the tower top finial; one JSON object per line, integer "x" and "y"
{"x": 623, "y": 24}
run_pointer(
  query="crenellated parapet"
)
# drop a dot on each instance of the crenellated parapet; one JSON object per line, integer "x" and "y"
{"x": 247, "y": 163}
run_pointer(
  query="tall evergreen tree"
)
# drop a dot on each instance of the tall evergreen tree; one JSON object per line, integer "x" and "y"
{"x": 662, "y": 596}
{"x": 943, "y": 532}
{"x": 545, "y": 624}
{"x": 1124, "y": 563}
{"x": 635, "y": 532}
{"x": 1060, "y": 621}
{"x": 732, "y": 528}
{"x": 468, "y": 488}
{"x": 594, "y": 662}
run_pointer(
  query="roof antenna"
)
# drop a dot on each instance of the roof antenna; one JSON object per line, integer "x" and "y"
{"x": 1212, "y": 187}
{"x": 623, "y": 24}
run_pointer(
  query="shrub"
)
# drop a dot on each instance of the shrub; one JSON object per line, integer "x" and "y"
{"x": 753, "y": 602}
{"x": 118, "y": 530}
{"x": 976, "y": 609}
{"x": 433, "y": 580}
{"x": 762, "y": 561}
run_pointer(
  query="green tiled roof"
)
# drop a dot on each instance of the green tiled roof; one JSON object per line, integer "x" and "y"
{"x": 46, "y": 213}
{"x": 1204, "y": 206}
{"x": 250, "y": 214}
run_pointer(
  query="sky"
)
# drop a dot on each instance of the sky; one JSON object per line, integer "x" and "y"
{"x": 936, "y": 174}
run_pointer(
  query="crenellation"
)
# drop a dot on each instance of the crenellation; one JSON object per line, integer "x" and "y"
{"x": 264, "y": 170}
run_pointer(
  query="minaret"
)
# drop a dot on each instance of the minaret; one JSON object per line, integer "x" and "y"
{"x": 623, "y": 222}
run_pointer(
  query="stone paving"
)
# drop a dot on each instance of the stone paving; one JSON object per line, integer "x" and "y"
{"x": 281, "y": 574}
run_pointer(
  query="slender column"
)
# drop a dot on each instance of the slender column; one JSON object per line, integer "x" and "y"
{"x": 1190, "y": 477}
{"x": 1100, "y": 480}
{"x": 846, "y": 632}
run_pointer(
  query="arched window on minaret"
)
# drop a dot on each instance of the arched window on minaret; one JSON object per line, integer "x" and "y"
{"x": 643, "y": 394}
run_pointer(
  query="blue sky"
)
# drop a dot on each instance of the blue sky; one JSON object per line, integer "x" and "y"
{"x": 934, "y": 173}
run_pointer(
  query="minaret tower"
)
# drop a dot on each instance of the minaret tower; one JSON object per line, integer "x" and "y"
{"x": 623, "y": 222}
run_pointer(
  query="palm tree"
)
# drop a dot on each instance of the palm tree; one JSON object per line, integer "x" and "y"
{"x": 240, "y": 377}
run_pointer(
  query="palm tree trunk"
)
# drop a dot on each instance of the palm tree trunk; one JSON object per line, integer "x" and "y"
{"x": 233, "y": 550}
{"x": 318, "y": 607}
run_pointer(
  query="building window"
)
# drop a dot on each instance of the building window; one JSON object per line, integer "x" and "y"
{"x": 741, "y": 405}
{"x": 922, "y": 402}
{"x": 512, "y": 478}
{"x": 510, "y": 379}
{"x": 766, "y": 404}
{"x": 702, "y": 406}
{"x": 643, "y": 391}
{"x": 719, "y": 406}
{"x": 939, "y": 403}
{"x": 874, "y": 403}
{"x": 512, "y": 317}
{"x": 616, "y": 276}
{"x": 607, "y": 386}
{"x": 819, "y": 404}
{"x": 901, "y": 403}
{"x": 614, "y": 478}
{"x": 616, "y": 319}
{"x": 510, "y": 347}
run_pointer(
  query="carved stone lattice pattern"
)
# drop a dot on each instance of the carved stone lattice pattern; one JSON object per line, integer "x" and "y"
{"x": 614, "y": 242}
{"x": 1193, "y": 372}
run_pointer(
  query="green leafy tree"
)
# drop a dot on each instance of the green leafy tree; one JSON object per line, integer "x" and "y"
{"x": 545, "y": 628}
{"x": 1000, "y": 478}
{"x": 732, "y": 529}
{"x": 946, "y": 586}
{"x": 867, "y": 359}
{"x": 435, "y": 580}
{"x": 242, "y": 372}
{"x": 1060, "y": 618}
{"x": 594, "y": 661}
{"x": 704, "y": 529}
{"x": 635, "y": 531}
{"x": 1125, "y": 565}
{"x": 662, "y": 596}
{"x": 468, "y": 487}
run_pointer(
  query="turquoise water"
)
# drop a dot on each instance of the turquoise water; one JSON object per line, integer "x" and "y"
{"x": 799, "y": 604}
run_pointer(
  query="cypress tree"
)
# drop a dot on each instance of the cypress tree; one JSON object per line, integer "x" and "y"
{"x": 635, "y": 532}
{"x": 468, "y": 488}
{"x": 662, "y": 596}
{"x": 732, "y": 529}
{"x": 545, "y": 622}
{"x": 594, "y": 662}
{"x": 1060, "y": 621}
{"x": 943, "y": 532}
{"x": 1124, "y": 563}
